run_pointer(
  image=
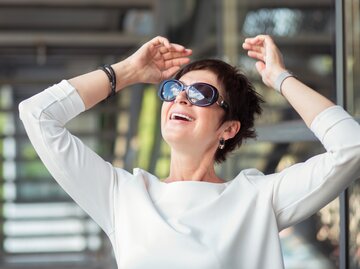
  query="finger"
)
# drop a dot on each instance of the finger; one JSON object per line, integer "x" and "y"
{"x": 163, "y": 49}
{"x": 254, "y": 40}
{"x": 174, "y": 55}
{"x": 265, "y": 41}
{"x": 259, "y": 49}
{"x": 260, "y": 67}
{"x": 176, "y": 62}
{"x": 246, "y": 46}
{"x": 171, "y": 71}
{"x": 168, "y": 57}
{"x": 256, "y": 55}
{"x": 159, "y": 40}
{"x": 177, "y": 48}
{"x": 268, "y": 39}
{"x": 259, "y": 39}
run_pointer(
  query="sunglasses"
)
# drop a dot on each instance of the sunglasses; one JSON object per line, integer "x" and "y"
{"x": 198, "y": 94}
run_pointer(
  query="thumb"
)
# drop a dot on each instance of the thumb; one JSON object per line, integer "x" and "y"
{"x": 260, "y": 67}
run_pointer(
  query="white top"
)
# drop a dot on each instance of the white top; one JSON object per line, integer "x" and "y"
{"x": 189, "y": 224}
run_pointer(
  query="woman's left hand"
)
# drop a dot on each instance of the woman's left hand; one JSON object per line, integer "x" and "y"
{"x": 270, "y": 62}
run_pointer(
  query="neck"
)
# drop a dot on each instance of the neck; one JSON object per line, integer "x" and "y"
{"x": 187, "y": 167}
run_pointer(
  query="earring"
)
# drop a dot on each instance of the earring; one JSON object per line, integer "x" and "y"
{"x": 222, "y": 143}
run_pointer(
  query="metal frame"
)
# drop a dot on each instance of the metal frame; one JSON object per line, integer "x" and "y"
{"x": 340, "y": 97}
{"x": 81, "y": 3}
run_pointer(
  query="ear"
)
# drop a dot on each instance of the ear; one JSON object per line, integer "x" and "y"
{"x": 231, "y": 129}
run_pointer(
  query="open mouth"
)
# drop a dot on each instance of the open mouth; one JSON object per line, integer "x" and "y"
{"x": 179, "y": 116}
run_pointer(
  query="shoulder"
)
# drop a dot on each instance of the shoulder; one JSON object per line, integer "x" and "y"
{"x": 255, "y": 177}
{"x": 251, "y": 174}
{"x": 138, "y": 177}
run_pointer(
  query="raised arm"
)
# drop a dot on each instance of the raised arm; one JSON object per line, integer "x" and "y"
{"x": 84, "y": 175}
{"x": 156, "y": 60}
{"x": 302, "y": 189}
{"x": 307, "y": 102}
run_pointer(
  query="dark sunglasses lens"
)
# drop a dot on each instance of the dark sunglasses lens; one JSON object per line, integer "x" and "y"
{"x": 170, "y": 90}
{"x": 201, "y": 94}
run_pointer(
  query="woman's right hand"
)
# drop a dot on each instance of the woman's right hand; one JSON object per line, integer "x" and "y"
{"x": 153, "y": 62}
{"x": 157, "y": 59}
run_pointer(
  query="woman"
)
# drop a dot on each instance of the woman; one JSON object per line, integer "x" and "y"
{"x": 193, "y": 219}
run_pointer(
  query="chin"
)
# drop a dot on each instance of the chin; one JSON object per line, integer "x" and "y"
{"x": 172, "y": 132}
{"x": 173, "y": 138}
{"x": 177, "y": 139}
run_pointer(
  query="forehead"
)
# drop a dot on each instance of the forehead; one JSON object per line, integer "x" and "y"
{"x": 201, "y": 76}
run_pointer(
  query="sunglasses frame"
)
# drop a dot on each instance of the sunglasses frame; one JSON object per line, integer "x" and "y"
{"x": 222, "y": 103}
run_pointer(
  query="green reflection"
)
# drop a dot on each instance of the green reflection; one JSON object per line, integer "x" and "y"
{"x": 147, "y": 124}
{"x": 32, "y": 170}
{"x": 27, "y": 151}
{"x": 40, "y": 192}
{"x": 163, "y": 164}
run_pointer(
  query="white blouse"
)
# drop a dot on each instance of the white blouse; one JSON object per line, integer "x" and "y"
{"x": 189, "y": 224}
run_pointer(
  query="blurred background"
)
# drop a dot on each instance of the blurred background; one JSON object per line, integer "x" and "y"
{"x": 45, "y": 41}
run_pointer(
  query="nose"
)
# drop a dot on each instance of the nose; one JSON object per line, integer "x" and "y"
{"x": 181, "y": 98}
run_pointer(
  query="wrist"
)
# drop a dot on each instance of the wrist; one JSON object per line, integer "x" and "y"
{"x": 110, "y": 73}
{"x": 275, "y": 72}
{"x": 125, "y": 74}
{"x": 280, "y": 78}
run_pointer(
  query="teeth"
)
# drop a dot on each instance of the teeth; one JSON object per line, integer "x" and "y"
{"x": 174, "y": 115}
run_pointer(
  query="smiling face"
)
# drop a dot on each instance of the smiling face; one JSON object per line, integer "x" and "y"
{"x": 191, "y": 128}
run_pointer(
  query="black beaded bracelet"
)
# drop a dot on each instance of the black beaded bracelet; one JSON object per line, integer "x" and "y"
{"x": 109, "y": 71}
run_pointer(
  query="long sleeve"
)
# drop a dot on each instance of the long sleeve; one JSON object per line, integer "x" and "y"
{"x": 86, "y": 177}
{"x": 302, "y": 189}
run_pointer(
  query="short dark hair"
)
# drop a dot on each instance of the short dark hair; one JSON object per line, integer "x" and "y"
{"x": 244, "y": 102}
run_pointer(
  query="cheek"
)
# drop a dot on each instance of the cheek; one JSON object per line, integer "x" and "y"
{"x": 211, "y": 120}
{"x": 164, "y": 111}
{"x": 207, "y": 127}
